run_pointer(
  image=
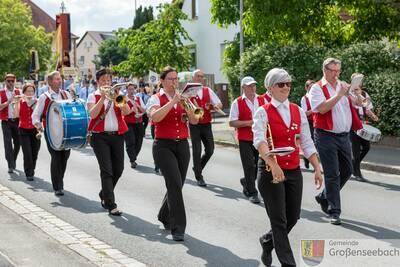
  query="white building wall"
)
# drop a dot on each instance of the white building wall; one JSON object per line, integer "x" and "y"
{"x": 209, "y": 38}
{"x": 89, "y": 49}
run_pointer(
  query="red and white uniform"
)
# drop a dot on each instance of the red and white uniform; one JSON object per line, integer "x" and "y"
{"x": 7, "y": 112}
{"x": 204, "y": 99}
{"x": 25, "y": 115}
{"x": 132, "y": 118}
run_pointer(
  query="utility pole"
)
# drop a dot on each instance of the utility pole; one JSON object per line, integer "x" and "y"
{"x": 241, "y": 42}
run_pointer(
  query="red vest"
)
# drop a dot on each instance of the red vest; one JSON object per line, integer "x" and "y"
{"x": 245, "y": 133}
{"x": 122, "y": 128}
{"x": 267, "y": 97}
{"x": 25, "y": 116}
{"x": 309, "y": 117}
{"x": 283, "y": 136}
{"x": 325, "y": 121}
{"x": 131, "y": 117}
{"x": 3, "y": 97}
{"x": 47, "y": 103}
{"x": 171, "y": 127}
{"x": 205, "y": 104}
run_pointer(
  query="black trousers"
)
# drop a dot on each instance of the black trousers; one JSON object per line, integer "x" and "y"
{"x": 134, "y": 140}
{"x": 201, "y": 133}
{"x": 360, "y": 150}
{"x": 335, "y": 154}
{"x": 109, "y": 151}
{"x": 58, "y": 165}
{"x": 11, "y": 141}
{"x": 249, "y": 158}
{"x": 30, "y": 148}
{"x": 283, "y": 205}
{"x": 310, "y": 123}
{"x": 145, "y": 123}
{"x": 172, "y": 157}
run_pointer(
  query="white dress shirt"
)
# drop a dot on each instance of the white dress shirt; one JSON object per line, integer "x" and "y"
{"x": 304, "y": 102}
{"x": 110, "y": 121}
{"x": 341, "y": 113}
{"x": 154, "y": 101}
{"x": 37, "y": 112}
{"x": 9, "y": 95}
{"x": 140, "y": 100}
{"x": 213, "y": 96}
{"x": 260, "y": 121}
{"x": 234, "y": 113}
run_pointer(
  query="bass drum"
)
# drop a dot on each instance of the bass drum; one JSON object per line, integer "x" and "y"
{"x": 67, "y": 124}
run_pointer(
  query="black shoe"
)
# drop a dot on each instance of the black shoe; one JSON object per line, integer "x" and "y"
{"x": 201, "y": 182}
{"x": 243, "y": 183}
{"x": 335, "y": 219}
{"x": 115, "y": 212}
{"x": 323, "y": 203}
{"x": 58, "y": 193}
{"x": 360, "y": 178}
{"x": 157, "y": 170}
{"x": 254, "y": 199}
{"x": 10, "y": 170}
{"x": 29, "y": 178}
{"x": 178, "y": 237}
{"x": 133, "y": 164}
{"x": 266, "y": 256}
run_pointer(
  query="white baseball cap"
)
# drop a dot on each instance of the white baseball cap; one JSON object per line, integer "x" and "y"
{"x": 247, "y": 81}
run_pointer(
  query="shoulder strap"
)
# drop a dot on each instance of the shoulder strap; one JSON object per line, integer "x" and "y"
{"x": 102, "y": 116}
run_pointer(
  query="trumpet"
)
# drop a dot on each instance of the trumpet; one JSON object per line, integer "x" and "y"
{"x": 191, "y": 107}
{"x": 111, "y": 94}
{"x": 271, "y": 147}
{"x": 187, "y": 92}
{"x": 360, "y": 100}
{"x": 30, "y": 100}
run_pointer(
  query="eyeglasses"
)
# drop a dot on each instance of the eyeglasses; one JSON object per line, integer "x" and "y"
{"x": 332, "y": 70}
{"x": 10, "y": 81}
{"x": 281, "y": 85}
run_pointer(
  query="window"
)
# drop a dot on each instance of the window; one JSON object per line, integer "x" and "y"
{"x": 195, "y": 9}
{"x": 81, "y": 60}
{"x": 193, "y": 57}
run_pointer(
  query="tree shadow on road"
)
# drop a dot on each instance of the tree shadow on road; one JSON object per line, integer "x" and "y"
{"x": 212, "y": 254}
{"x": 371, "y": 230}
{"x": 391, "y": 187}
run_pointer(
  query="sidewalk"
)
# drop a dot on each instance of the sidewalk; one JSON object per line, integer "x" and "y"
{"x": 379, "y": 158}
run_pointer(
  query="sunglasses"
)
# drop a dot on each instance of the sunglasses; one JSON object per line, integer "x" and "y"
{"x": 10, "y": 81}
{"x": 281, "y": 85}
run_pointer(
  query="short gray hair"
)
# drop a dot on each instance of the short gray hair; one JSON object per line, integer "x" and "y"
{"x": 276, "y": 75}
{"x": 51, "y": 75}
{"x": 330, "y": 60}
{"x": 195, "y": 72}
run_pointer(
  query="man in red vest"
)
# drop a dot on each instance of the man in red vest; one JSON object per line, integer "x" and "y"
{"x": 334, "y": 117}
{"x": 59, "y": 159}
{"x": 241, "y": 118}
{"x": 202, "y": 132}
{"x": 306, "y": 106}
{"x": 134, "y": 121}
{"x": 9, "y": 123}
{"x": 108, "y": 127}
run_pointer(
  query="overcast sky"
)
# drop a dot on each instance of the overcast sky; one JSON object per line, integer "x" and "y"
{"x": 96, "y": 15}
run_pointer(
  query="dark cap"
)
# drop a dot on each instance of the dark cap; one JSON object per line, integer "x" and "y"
{"x": 101, "y": 72}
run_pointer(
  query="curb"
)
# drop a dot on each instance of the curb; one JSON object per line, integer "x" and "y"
{"x": 95, "y": 251}
{"x": 364, "y": 165}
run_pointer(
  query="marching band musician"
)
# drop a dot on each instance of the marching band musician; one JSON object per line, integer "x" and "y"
{"x": 334, "y": 117}
{"x": 282, "y": 186}
{"x": 306, "y": 106}
{"x": 202, "y": 132}
{"x": 171, "y": 149}
{"x": 134, "y": 121}
{"x": 29, "y": 139}
{"x": 360, "y": 146}
{"x": 107, "y": 127}
{"x": 59, "y": 159}
{"x": 241, "y": 118}
{"x": 9, "y": 123}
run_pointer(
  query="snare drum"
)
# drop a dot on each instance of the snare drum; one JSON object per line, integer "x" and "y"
{"x": 369, "y": 133}
{"x": 66, "y": 124}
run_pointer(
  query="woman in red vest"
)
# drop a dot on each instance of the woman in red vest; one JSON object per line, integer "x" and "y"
{"x": 241, "y": 118}
{"x": 306, "y": 106}
{"x": 134, "y": 121}
{"x": 171, "y": 149}
{"x": 27, "y": 131}
{"x": 282, "y": 185}
{"x": 108, "y": 127}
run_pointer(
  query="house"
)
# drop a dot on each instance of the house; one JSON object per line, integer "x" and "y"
{"x": 88, "y": 48}
{"x": 207, "y": 47}
{"x": 41, "y": 18}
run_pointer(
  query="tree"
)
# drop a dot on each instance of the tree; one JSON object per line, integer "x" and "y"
{"x": 311, "y": 21}
{"x": 142, "y": 16}
{"x": 110, "y": 53}
{"x": 156, "y": 44}
{"x": 18, "y": 36}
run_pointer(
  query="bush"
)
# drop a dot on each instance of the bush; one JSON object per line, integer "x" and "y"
{"x": 375, "y": 60}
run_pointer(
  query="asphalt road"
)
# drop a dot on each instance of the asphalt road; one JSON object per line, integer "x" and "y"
{"x": 223, "y": 226}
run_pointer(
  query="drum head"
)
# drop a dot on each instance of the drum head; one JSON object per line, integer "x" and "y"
{"x": 54, "y": 127}
{"x": 371, "y": 129}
